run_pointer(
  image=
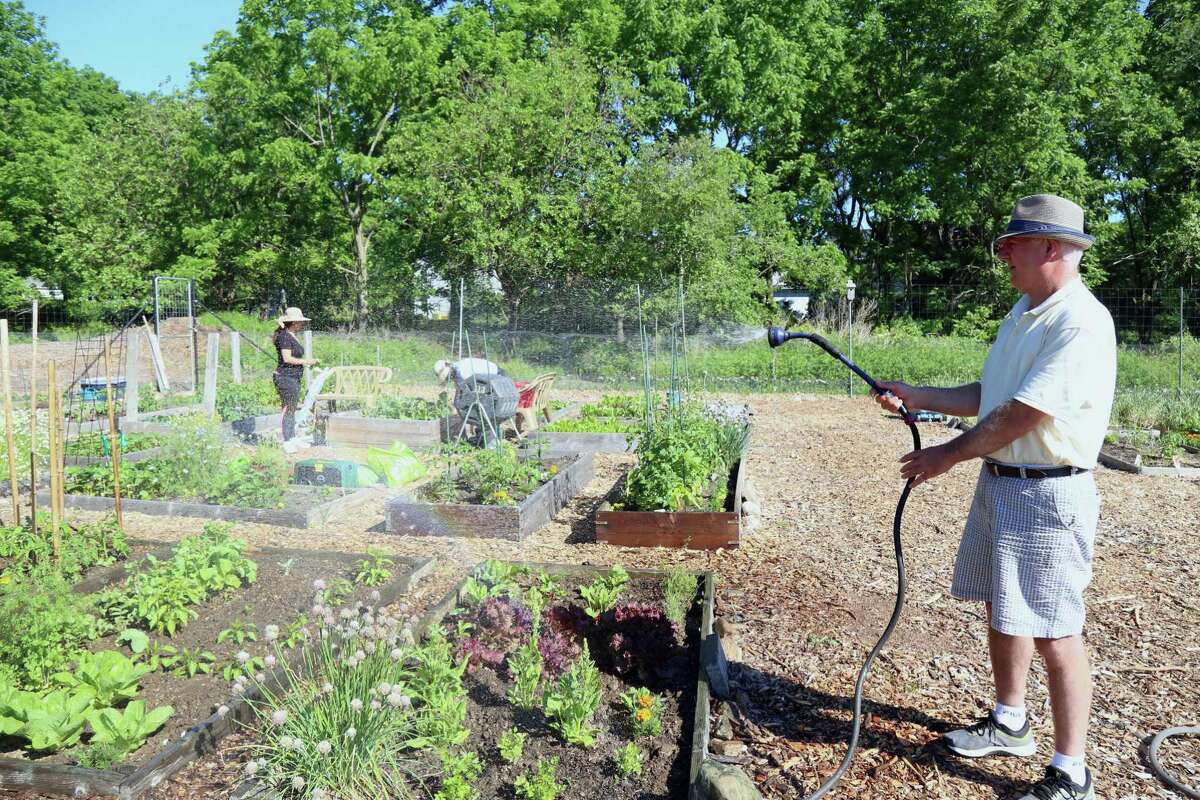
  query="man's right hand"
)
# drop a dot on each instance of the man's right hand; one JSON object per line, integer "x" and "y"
{"x": 895, "y": 393}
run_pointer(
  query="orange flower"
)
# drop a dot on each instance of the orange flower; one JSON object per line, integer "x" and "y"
{"x": 642, "y": 714}
{"x": 645, "y": 700}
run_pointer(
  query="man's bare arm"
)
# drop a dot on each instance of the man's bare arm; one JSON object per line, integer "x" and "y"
{"x": 961, "y": 401}
{"x": 1005, "y": 424}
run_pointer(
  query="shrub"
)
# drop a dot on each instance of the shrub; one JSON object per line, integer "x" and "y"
{"x": 679, "y": 593}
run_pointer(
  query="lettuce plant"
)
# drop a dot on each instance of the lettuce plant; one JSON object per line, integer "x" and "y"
{"x": 129, "y": 728}
{"x": 109, "y": 676}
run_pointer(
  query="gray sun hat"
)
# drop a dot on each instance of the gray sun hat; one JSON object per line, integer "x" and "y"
{"x": 1048, "y": 216}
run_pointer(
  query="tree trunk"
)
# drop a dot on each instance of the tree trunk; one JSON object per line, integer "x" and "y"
{"x": 362, "y": 244}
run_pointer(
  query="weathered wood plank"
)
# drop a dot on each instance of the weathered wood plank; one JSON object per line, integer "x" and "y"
{"x": 351, "y": 428}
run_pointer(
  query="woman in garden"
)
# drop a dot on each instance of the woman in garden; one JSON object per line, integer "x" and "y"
{"x": 290, "y": 367}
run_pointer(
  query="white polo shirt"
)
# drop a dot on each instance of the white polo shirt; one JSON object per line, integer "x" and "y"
{"x": 1060, "y": 358}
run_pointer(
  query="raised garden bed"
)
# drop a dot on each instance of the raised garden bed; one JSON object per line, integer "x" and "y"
{"x": 649, "y": 655}
{"x": 410, "y": 515}
{"x": 352, "y": 429}
{"x": 554, "y": 442}
{"x": 249, "y": 427}
{"x": 303, "y": 506}
{"x": 283, "y": 588}
{"x": 692, "y": 530}
{"x": 1126, "y": 457}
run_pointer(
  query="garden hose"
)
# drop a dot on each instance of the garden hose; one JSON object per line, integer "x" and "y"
{"x": 776, "y": 337}
{"x": 1157, "y": 767}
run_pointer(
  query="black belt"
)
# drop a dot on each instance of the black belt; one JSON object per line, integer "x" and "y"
{"x": 1006, "y": 471}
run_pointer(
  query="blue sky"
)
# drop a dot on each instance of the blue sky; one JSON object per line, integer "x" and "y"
{"x": 140, "y": 43}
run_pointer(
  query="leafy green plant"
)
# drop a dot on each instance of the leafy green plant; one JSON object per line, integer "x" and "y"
{"x": 496, "y": 476}
{"x": 511, "y": 745}
{"x": 525, "y": 665}
{"x": 129, "y": 728}
{"x": 186, "y": 662}
{"x": 99, "y": 756}
{"x": 572, "y": 700}
{"x": 375, "y": 569}
{"x": 540, "y": 784}
{"x": 242, "y": 667}
{"x": 390, "y": 407}
{"x": 474, "y": 591}
{"x": 137, "y": 640}
{"x": 159, "y": 595}
{"x": 296, "y": 632}
{"x": 239, "y": 632}
{"x": 49, "y": 720}
{"x": 109, "y": 675}
{"x": 437, "y": 684}
{"x": 602, "y": 594}
{"x": 43, "y": 625}
{"x": 458, "y": 774}
{"x": 255, "y": 480}
{"x": 679, "y": 594}
{"x": 683, "y": 463}
{"x": 630, "y": 760}
{"x": 645, "y": 711}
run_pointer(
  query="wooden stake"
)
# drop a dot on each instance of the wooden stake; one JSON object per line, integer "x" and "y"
{"x": 10, "y": 442}
{"x": 52, "y": 435}
{"x": 33, "y": 492}
{"x": 114, "y": 447}
{"x": 33, "y": 406}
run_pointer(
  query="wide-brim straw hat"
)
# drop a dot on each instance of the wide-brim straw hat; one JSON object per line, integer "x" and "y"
{"x": 442, "y": 370}
{"x": 1048, "y": 216}
{"x": 292, "y": 314}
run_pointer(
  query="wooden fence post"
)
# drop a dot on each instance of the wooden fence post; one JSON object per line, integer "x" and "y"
{"x": 212, "y": 361}
{"x": 235, "y": 355}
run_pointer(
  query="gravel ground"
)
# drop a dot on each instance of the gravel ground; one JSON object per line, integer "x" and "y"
{"x": 810, "y": 589}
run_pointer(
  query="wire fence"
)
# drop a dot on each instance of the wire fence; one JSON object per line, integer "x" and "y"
{"x": 601, "y": 334}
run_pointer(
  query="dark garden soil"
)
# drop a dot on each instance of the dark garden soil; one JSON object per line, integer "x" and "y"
{"x": 1151, "y": 457}
{"x": 284, "y": 589}
{"x": 591, "y": 772}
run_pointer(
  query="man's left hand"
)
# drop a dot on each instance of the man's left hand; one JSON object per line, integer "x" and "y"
{"x": 921, "y": 465}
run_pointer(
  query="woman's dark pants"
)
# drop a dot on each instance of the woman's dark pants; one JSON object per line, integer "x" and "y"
{"x": 289, "y": 394}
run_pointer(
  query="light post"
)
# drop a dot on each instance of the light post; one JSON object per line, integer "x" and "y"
{"x": 850, "y": 334}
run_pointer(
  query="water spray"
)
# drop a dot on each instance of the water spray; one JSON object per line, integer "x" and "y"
{"x": 777, "y": 337}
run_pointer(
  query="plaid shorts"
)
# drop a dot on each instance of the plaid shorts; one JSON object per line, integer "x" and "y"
{"x": 1027, "y": 550}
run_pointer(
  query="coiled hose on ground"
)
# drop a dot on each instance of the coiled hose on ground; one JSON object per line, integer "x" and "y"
{"x": 1157, "y": 767}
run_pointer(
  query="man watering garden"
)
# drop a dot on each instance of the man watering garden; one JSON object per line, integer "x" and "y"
{"x": 1043, "y": 404}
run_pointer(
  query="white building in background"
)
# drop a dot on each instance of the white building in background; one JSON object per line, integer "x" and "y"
{"x": 43, "y": 290}
{"x": 794, "y": 301}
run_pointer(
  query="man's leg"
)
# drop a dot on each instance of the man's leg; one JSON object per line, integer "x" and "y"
{"x": 1011, "y": 658}
{"x": 1070, "y": 681}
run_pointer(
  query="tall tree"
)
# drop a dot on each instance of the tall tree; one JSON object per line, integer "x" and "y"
{"x": 313, "y": 91}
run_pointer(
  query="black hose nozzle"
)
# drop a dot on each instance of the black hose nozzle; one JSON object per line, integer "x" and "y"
{"x": 778, "y": 336}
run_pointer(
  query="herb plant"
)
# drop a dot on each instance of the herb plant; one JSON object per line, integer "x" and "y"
{"x": 629, "y": 760}
{"x": 679, "y": 593}
{"x": 239, "y": 632}
{"x": 572, "y": 700}
{"x": 541, "y": 784}
{"x": 375, "y": 569}
{"x": 525, "y": 665}
{"x": 459, "y": 772}
{"x": 511, "y": 745}
{"x": 601, "y": 595}
{"x": 185, "y": 662}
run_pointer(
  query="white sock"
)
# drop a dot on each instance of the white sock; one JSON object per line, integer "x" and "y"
{"x": 1075, "y": 766}
{"x": 1011, "y": 716}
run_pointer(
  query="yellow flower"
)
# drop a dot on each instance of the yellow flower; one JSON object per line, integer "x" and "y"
{"x": 645, "y": 700}
{"x": 642, "y": 714}
{"x": 554, "y": 469}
